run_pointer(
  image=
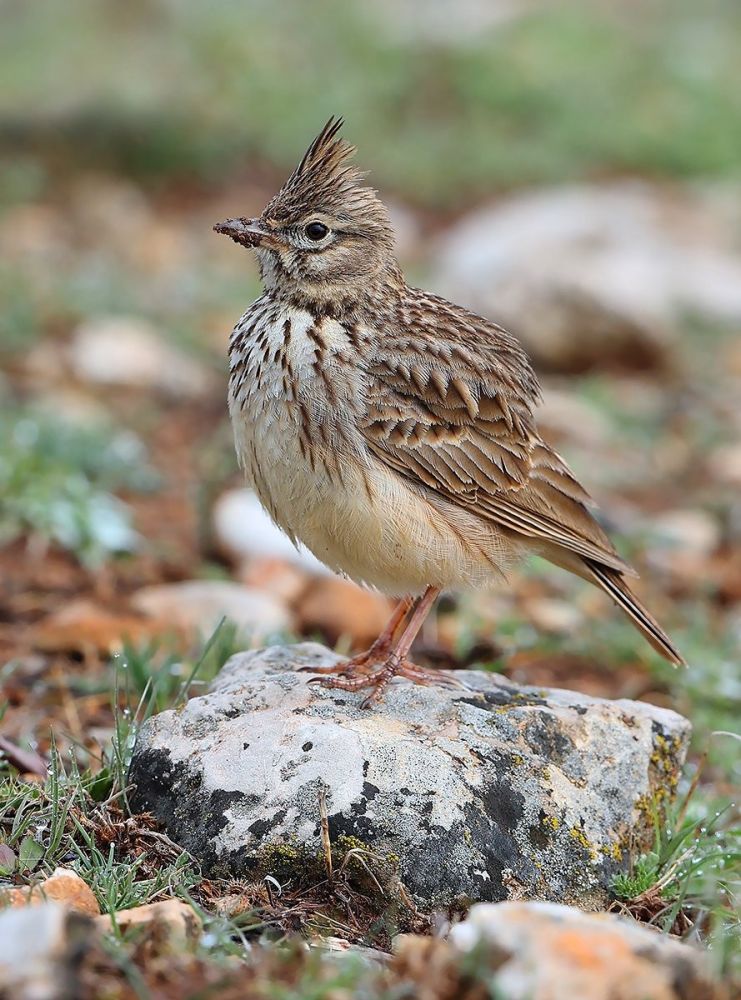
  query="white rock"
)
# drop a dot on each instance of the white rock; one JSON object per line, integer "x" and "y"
{"x": 690, "y": 530}
{"x": 200, "y": 604}
{"x": 243, "y": 530}
{"x": 546, "y": 951}
{"x": 725, "y": 464}
{"x": 573, "y": 418}
{"x": 125, "y": 350}
{"x": 551, "y": 615}
{"x": 39, "y": 951}
{"x": 634, "y": 249}
{"x": 492, "y": 791}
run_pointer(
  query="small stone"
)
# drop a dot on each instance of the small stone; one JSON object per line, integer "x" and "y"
{"x": 689, "y": 530}
{"x": 569, "y": 330}
{"x": 280, "y": 578}
{"x": 178, "y": 920}
{"x": 565, "y": 415}
{"x": 40, "y": 949}
{"x": 85, "y": 627}
{"x": 197, "y": 606}
{"x": 127, "y": 351}
{"x": 725, "y": 464}
{"x": 628, "y": 250}
{"x": 545, "y": 951}
{"x": 489, "y": 791}
{"x": 338, "y": 608}
{"x": 63, "y": 886}
{"x": 551, "y": 615}
{"x": 340, "y": 946}
{"x": 243, "y": 531}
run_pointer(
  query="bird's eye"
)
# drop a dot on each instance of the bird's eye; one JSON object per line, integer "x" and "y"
{"x": 316, "y": 231}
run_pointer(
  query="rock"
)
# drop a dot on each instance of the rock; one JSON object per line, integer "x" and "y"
{"x": 548, "y": 614}
{"x": 568, "y": 330}
{"x": 243, "y": 530}
{"x": 566, "y": 416}
{"x": 86, "y": 627}
{"x": 337, "y": 608}
{"x": 684, "y": 542}
{"x": 283, "y": 580}
{"x": 545, "y": 951}
{"x": 199, "y": 605}
{"x": 63, "y": 886}
{"x": 595, "y": 274}
{"x": 692, "y": 530}
{"x": 176, "y": 919}
{"x": 339, "y": 946}
{"x": 127, "y": 351}
{"x": 489, "y": 792}
{"x": 725, "y": 464}
{"x": 40, "y": 948}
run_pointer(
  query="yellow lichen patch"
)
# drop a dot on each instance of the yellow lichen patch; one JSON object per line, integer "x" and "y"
{"x": 665, "y": 767}
{"x": 583, "y": 841}
{"x": 613, "y": 850}
{"x": 346, "y": 842}
{"x": 552, "y": 822}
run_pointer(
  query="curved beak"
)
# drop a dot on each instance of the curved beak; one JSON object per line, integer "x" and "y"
{"x": 247, "y": 232}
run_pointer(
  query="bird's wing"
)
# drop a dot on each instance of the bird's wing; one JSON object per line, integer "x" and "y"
{"x": 453, "y": 413}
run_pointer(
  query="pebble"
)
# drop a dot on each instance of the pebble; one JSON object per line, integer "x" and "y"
{"x": 129, "y": 351}
{"x": 546, "y": 951}
{"x": 197, "y": 606}
{"x": 339, "y": 608}
{"x": 243, "y": 530}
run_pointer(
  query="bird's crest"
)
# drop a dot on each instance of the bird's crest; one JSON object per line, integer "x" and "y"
{"x": 324, "y": 180}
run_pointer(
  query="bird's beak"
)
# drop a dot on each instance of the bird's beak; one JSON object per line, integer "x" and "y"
{"x": 247, "y": 232}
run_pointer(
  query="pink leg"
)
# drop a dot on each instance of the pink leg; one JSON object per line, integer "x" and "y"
{"x": 379, "y": 651}
{"x": 394, "y": 662}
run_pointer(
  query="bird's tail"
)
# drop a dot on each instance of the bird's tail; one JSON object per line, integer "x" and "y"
{"x": 613, "y": 583}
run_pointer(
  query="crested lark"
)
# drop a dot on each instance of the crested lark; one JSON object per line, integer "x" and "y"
{"x": 389, "y": 430}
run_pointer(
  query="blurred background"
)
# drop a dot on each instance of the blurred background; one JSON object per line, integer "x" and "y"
{"x": 572, "y": 171}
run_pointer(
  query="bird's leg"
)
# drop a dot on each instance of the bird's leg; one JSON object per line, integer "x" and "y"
{"x": 379, "y": 651}
{"x": 394, "y": 662}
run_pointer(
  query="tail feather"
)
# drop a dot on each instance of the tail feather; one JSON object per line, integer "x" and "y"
{"x": 612, "y": 583}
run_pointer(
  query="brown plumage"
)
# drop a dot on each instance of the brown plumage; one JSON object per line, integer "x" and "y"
{"x": 390, "y": 430}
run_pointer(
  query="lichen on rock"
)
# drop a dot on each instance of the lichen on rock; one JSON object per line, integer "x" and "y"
{"x": 492, "y": 792}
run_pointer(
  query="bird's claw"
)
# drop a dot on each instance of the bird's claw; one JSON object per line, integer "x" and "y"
{"x": 351, "y": 676}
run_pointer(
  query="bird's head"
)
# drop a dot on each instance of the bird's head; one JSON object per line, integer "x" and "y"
{"x": 324, "y": 233}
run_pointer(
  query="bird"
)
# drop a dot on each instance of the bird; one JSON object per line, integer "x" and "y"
{"x": 391, "y": 431}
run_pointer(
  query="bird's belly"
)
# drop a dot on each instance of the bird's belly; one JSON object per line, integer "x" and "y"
{"x": 363, "y": 520}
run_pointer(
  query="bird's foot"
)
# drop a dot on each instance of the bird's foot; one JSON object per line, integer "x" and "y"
{"x": 365, "y": 671}
{"x": 363, "y": 663}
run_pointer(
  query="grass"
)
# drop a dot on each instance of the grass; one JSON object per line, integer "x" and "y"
{"x": 561, "y": 92}
{"x": 57, "y": 480}
{"x": 690, "y": 882}
{"x": 156, "y": 676}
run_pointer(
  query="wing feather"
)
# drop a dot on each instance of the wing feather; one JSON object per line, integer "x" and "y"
{"x": 458, "y": 418}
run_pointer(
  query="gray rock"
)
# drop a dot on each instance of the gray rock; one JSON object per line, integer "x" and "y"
{"x": 489, "y": 792}
{"x": 243, "y": 530}
{"x": 544, "y": 951}
{"x": 127, "y": 351}
{"x": 40, "y": 948}
{"x": 201, "y": 604}
{"x": 595, "y": 274}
